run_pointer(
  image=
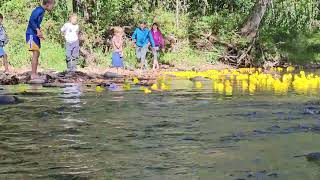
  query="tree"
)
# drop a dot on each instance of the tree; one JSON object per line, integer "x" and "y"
{"x": 251, "y": 27}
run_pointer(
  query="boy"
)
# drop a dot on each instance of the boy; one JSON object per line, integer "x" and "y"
{"x": 141, "y": 38}
{"x": 3, "y": 42}
{"x": 34, "y": 36}
{"x": 70, "y": 30}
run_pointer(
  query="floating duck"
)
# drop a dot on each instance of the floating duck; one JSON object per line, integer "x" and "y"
{"x": 253, "y": 79}
{"x": 136, "y": 80}
{"x": 164, "y": 87}
{"x": 22, "y": 89}
{"x": 126, "y": 86}
{"x": 147, "y": 91}
{"x": 198, "y": 85}
{"x": 229, "y": 90}
{"x": 99, "y": 89}
{"x": 154, "y": 87}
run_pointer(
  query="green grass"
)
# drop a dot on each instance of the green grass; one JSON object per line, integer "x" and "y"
{"x": 53, "y": 53}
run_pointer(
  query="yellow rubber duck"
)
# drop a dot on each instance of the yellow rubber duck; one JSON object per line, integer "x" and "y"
{"x": 126, "y": 86}
{"x": 135, "y": 80}
{"x": 198, "y": 85}
{"x": 154, "y": 87}
{"x": 229, "y": 90}
{"x": 290, "y": 69}
{"x": 244, "y": 85}
{"x": 147, "y": 91}
{"x": 99, "y": 89}
{"x": 22, "y": 89}
{"x": 252, "y": 89}
{"x": 164, "y": 87}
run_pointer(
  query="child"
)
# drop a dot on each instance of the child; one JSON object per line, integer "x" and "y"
{"x": 117, "y": 44}
{"x": 141, "y": 38}
{"x": 158, "y": 41}
{"x": 3, "y": 42}
{"x": 71, "y": 31}
{"x": 34, "y": 36}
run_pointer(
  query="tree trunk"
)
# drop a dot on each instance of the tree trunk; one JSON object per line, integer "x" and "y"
{"x": 177, "y": 13}
{"x": 251, "y": 27}
{"x": 75, "y": 6}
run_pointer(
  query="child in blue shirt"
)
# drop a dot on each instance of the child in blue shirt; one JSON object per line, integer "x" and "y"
{"x": 3, "y": 41}
{"x": 142, "y": 37}
{"x": 34, "y": 36}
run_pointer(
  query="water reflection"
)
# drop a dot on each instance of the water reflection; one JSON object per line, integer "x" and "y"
{"x": 72, "y": 133}
{"x": 72, "y": 95}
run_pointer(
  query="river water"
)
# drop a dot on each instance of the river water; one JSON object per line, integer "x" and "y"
{"x": 76, "y": 133}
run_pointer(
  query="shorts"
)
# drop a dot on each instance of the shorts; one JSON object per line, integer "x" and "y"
{"x": 33, "y": 42}
{"x": 117, "y": 60}
{"x": 2, "y": 52}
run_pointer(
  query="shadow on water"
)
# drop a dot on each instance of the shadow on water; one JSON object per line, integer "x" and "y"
{"x": 75, "y": 133}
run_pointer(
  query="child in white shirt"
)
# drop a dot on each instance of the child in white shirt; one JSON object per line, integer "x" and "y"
{"x": 71, "y": 31}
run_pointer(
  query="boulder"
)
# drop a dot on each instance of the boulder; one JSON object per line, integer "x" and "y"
{"x": 5, "y": 100}
{"x": 313, "y": 156}
{"x": 112, "y": 75}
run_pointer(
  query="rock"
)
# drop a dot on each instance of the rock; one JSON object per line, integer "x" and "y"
{"x": 313, "y": 156}
{"x": 8, "y": 79}
{"x": 37, "y": 81}
{"x": 273, "y": 175}
{"x": 53, "y": 85}
{"x": 112, "y": 75}
{"x": 312, "y": 110}
{"x": 5, "y": 100}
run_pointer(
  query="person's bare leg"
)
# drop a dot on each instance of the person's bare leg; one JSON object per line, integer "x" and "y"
{"x": 154, "y": 65}
{"x": 34, "y": 64}
{"x": 5, "y": 63}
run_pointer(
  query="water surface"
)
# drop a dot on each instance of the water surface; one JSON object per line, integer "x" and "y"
{"x": 186, "y": 133}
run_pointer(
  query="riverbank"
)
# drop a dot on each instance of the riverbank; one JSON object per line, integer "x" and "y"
{"x": 97, "y": 75}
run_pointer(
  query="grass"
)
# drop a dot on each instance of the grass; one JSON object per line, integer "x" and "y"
{"x": 53, "y": 53}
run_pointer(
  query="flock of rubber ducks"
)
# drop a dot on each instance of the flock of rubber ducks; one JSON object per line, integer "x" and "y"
{"x": 228, "y": 81}
{"x": 246, "y": 80}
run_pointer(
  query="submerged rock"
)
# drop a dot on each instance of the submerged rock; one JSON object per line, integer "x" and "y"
{"x": 5, "y": 100}
{"x": 313, "y": 156}
{"x": 312, "y": 110}
{"x": 112, "y": 75}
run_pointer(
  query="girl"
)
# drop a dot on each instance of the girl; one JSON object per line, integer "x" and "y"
{"x": 159, "y": 42}
{"x": 3, "y": 41}
{"x": 117, "y": 44}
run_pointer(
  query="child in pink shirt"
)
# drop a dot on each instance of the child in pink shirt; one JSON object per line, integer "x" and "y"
{"x": 159, "y": 43}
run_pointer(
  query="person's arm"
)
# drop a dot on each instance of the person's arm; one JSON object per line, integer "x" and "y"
{"x": 78, "y": 31}
{"x": 116, "y": 44}
{"x": 6, "y": 36}
{"x": 134, "y": 35}
{"x": 64, "y": 29}
{"x": 34, "y": 21}
{"x": 151, "y": 40}
{"x": 162, "y": 42}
